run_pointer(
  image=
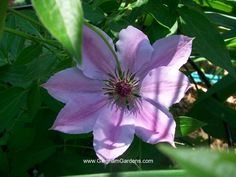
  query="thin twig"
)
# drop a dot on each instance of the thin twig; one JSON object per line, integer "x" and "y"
{"x": 31, "y": 37}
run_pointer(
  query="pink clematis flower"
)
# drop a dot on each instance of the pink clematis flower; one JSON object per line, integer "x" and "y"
{"x": 115, "y": 105}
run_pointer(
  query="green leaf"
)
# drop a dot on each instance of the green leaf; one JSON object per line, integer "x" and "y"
{"x": 186, "y": 125}
{"x": 30, "y": 23}
{"x": 222, "y": 89}
{"x": 20, "y": 138}
{"x": 24, "y": 160}
{"x": 219, "y": 19}
{"x": 42, "y": 147}
{"x": 156, "y": 173}
{"x": 138, "y": 3}
{"x": 214, "y": 113}
{"x": 34, "y": 100}
{"x": 203, "y": 162}
{"x": 156, "y": 31}
{"x": 11, "y": 44}
{"x": 10, "y": 104}
{"x": 208, "y": 42}
{"x": 4, "y": 164}
{"x": 64, "y": 20}
{"x": 163, "y": 14}
{"x": 24, "y": 75}
{"x": 94, "y": 15}
{"x": 28, "y": 54}
{"x": 3, "y": 13}
{"x": 215, "y": 4}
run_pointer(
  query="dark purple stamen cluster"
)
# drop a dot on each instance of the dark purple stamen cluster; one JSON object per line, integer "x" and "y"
{"x": 123, "y": 89}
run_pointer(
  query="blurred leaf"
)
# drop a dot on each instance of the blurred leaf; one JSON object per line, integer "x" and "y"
{"x": 229, "y": 34}
{"x": 215, "y": 4}
{"x": 69, "y": 162}
{"x": 208, "y": 41}
{"x": 203, "y": 162}
{"x": 24, "y": 160}
{"x": 26, "y": 25}
{"x": 107, "y": 6}
{"x": 10, "y": 104}
{"x": 11, "y": 44}
{"x": 28, "y": 54}
{"x": 219, "y": 19}
{"x": 3, "y": 58}
{"x": 222, "y": 89}
{"x": 156, "y": 31}
{"x": 186, "y": 125}
{"x": 34, "y": 100}
{"x": 3, "y": 13}
{"x": 20, "y": 138}
{"x": 24, "y": 75}
{"x": 64, "y": 20}
{"x": 163, "y": 14}
{"x": 94, "y": 15}
{"x": 231, "y": 43}
{"x": 52, "y": 103}
{"x": 4, "y": 164}
{"x": 214, "y": 113}
{"x": 42, "y": 147}
{"x": 156, "y": 173}
{"x": 138, "y": 3}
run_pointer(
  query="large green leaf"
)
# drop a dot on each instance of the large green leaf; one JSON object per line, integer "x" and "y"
{"x": 157, "y": 173}
{"x": 203, "y": 162}
{"x": 3, "y": 12}
{"x": 208, "y": 41}
{"x": 64, "y": 20}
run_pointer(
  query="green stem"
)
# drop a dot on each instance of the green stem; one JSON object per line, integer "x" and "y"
{"x": 107, "y": 43}
{"x": 30, "y": 37}
{"x": 49, "y": 42}
{"x": 25, "y": 17}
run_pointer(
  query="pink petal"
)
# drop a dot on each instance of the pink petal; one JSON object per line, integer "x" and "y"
{"x": 79, "y": 115}
{"x": 134, "y": 50}
{"x": 97, "y": 57}
{"x": 154, "y": 123}
{"x": 166, "y": 85}
{"x": 113, "y": 134}
{"x": 171, "y": 51}
{"x": 70, "y": 83}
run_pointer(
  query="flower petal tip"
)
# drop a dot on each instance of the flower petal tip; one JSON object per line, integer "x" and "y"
{"x": 44, "y": 85}
{"x": 52, "y": 128}
{"x": 103, "y": 159}
{"x": 187, "y": 38}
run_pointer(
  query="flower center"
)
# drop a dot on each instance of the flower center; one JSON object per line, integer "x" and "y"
{"x": 122, "y": 90}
